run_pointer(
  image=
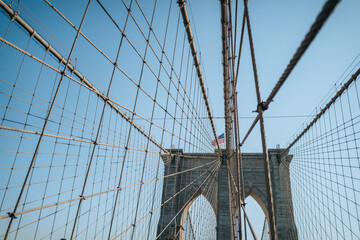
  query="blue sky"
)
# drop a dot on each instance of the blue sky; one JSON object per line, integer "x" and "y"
{"x": 278, "y": 28}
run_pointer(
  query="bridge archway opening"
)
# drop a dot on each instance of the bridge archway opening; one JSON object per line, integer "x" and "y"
{"x": 198, "y": 220}
{"x": 258, "y": 216}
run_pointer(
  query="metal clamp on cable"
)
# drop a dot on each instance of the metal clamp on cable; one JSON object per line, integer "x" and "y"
{"x": 263, "y": 106}
{"x": 11, "y": 215}
{"x": 181, "y": 2}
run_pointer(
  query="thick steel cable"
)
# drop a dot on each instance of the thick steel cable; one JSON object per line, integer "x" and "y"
{"x": 197, "y": 64}
{"x": 236, "y": 26}
{"x": 235, "y": 122}
{"x": 239, "y": 162}
{"x": 226, "y": 76}
{"x": 326, "y": 11}
{"x": 231, "y": 40}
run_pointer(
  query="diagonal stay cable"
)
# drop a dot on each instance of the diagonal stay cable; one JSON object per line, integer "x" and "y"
{"x": 309, "y": 37}
{"x": 197, "y": 64}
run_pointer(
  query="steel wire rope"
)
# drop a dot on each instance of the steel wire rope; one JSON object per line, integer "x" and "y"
{"x": 326, "y": 11}
{"x": 197, "y": 64}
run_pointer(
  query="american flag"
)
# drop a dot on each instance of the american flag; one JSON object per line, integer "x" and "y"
{"x": 220, "y": 140}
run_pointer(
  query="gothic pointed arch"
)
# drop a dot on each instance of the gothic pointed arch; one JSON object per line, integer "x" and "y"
{"x": 186, "y": 209}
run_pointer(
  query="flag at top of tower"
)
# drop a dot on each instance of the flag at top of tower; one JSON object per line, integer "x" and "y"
{"x": 220, "y": 140}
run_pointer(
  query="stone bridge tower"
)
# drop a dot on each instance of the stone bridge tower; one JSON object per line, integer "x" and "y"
{"x": 254, "y": 185}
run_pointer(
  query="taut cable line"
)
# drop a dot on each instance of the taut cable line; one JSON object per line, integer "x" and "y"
{"x": 197, "y": 64}
{"x": 325, "y": 13}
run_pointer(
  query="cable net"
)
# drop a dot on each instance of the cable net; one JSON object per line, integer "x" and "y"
{"x": 325, "y": 173}
{"x": 93, "y": 94}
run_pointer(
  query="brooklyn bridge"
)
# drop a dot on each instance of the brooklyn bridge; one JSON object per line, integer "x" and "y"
{"x": 155, "y": 119}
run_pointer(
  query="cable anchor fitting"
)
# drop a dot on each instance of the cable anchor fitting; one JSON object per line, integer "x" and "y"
{"x": 11, "y": 215}
{"x": 263, "y": 106}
